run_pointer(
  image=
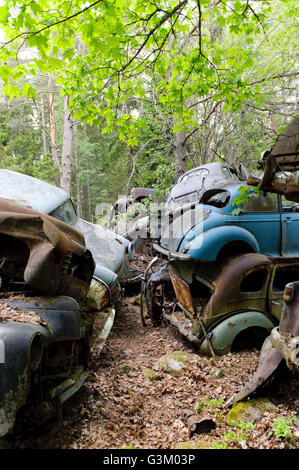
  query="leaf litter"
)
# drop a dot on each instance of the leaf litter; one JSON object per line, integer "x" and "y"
{"x": 121, "y": 405}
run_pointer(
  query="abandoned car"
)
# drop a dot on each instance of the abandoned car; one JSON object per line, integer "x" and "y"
{"x": 223, "y": 310}
{"x": 45, "y": 337}
{"x": 191, "y": 186}
{"x": 185, "y": 193}
{"x": 283, "y": 343}
{"x": 108, "y": 249}
{"x": 280, "y": 166}
{"x": 135, "y": 202}
{"x": 208, "y": 232}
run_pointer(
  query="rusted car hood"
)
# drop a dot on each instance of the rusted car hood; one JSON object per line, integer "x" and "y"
{"x": 42, "y": 252}
{"x": 279, "y": 162}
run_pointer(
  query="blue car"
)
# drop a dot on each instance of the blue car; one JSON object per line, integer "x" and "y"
{"x": 208, "y": 232}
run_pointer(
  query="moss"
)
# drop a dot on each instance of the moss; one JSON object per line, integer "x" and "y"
{"x": 136, "y": 301}
{"x": 197, "y": 444}
{"x": 152, "y": 374}
{"x": 196, "y": 329}
{"x": 249, "y": 411}
{"x": 123, "y": 369}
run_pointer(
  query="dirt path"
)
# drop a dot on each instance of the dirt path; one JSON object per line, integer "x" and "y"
{"x": 120, "y": 406}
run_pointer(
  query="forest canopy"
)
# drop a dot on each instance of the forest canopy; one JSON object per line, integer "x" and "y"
{"x": 142, "y": 90}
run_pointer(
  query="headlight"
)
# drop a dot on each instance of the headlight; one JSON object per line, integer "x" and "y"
{"x": 288, "y": 292}
{"x": 35, "y": 351}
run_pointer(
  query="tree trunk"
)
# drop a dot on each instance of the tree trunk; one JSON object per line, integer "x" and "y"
{"x": 52, "y": 128}
{"x": 66, "y": 156}
{"x": 79, "y": 200}
{"x": 179, "y": 151}
{"x": 43, "y": 120}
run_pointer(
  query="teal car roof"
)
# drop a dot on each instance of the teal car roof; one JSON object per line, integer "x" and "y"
{"x": 30, "y": 191}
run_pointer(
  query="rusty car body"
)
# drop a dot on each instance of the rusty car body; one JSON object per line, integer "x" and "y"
{"x": 45, "y": 336}
{"x": 41, "y": 252}
{"x": 280, "y": 165}
{"x": 226, "y": 309}
{"x": 108, "y": 249}
{"x": 282, "y": 343}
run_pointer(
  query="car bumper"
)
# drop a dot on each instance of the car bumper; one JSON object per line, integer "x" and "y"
{"x": 171, "y": 254}
{"x": 288, "y": 348}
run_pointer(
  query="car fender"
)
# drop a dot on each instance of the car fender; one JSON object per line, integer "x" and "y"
{"x": 206, "y": 246}
{"x": 60, "y": 321}
{"x": 223, "y": 335}
{"x": 16, "y": 338}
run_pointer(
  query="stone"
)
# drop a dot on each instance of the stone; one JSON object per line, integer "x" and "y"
{"x": 250, "y": 411}
{"x": 172, "y": 363}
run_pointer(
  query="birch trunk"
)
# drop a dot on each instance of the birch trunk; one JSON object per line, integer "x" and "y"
{"x": 43, "y": 120}
{"x": 79, "y": 200}
{"x": 66, "y": 156}
{"x": 54, "y": 150}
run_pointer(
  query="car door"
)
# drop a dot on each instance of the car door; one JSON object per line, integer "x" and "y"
{"x": 261, "y": 216}
{"x": 289, "y": 227}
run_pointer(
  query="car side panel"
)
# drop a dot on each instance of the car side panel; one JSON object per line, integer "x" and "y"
{"x": 208, "y": 246}
{"x": 265, "y": 228}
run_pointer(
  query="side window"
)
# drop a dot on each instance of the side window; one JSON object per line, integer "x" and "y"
{"x": 267, "y": 203}
{"x": 254, "y": 281}
{"x": 289, "y": 206}
{"x": 285, "y": 275}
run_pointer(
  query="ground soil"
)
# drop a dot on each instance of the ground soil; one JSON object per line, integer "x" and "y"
{"x": 121, "y": 407}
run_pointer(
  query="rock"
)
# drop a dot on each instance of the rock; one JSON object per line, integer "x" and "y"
{"x": 172, "y": 363}
{"x": 249, "y": 411}
{"x": 152, "y": 374}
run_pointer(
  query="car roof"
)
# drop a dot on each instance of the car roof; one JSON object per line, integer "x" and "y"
{"x": 31, "y": 192}
{"x": 209, "y": 166}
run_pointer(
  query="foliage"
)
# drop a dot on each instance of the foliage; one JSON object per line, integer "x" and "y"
{"x": 209, "y": 403}
{"x": 137, "y": 73}
{"x": 282, "y": 427}
{"x": 102, "y": 53}
{"x": 245, "y": 194}
{"x": 240, "y": 435}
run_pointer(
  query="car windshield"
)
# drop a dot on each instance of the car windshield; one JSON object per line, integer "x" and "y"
{"x": 200, "y": 173}
{"x": 217, "y": 198}
{"x": 65, "y": 212}
{"x": 229, "y": 173}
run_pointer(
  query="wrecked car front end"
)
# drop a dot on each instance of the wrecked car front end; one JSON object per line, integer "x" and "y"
{"x": 108, "y": 249}
{"x": 45, "y": 335}
{"x": 285, "y": 338}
